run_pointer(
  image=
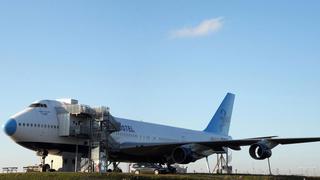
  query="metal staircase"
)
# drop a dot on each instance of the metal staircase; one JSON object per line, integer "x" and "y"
{"x": 101, "y": 139}
{"x": 93, "y": 124}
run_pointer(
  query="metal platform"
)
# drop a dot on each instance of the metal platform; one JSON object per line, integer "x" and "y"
{"x": 94, "y": 124}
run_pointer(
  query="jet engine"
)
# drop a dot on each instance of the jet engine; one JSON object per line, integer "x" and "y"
{"x": 182, "y": 155}
{"x": 260, "y": 151}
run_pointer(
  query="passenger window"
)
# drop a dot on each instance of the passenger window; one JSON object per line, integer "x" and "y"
{"x": 23, "y": 124}
{"x": 27, "y": 124}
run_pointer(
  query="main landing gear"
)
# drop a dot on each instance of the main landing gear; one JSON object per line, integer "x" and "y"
{"x": 115, "y": 167}
{"x": 171, "y": 170}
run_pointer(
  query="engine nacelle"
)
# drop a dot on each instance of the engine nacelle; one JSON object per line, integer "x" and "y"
{"x": 260, "y": 151}
{"x": 182, "y": 155}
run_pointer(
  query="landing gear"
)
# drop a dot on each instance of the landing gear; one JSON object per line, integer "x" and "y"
{"x": 45, "y": 167}
{"x": 171, "y": 170}
{"x": 115, "y": 168}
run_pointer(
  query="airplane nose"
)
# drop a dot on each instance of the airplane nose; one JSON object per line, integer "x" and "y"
{"x": 10, "y": 127}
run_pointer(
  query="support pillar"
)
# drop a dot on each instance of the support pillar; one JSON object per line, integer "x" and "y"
{"x": 70, "y": 162}
{"x": 270, "y": 173}
{"x": 208, "y": 164}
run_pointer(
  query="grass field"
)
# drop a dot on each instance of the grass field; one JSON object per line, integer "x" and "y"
{"x": 125, "y": 176}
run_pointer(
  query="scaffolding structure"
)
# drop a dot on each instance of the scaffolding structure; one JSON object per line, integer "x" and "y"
{"x": 222, "y": 163}
{"x": 93, "y": 124}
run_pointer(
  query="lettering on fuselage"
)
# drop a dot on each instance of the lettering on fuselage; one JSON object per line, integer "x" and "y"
{"x": 44, "y": 112}
{"x": 127, "y": 128}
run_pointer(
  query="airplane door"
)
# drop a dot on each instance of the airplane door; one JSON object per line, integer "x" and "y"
{"x": 40, "y": 125}
{"x": 42, "y": 131}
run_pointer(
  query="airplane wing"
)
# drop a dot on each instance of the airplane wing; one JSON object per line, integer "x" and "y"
{"x": 247, "y": 142}
{"x": 295, "y": 140}
{"x": 233, "y": 144}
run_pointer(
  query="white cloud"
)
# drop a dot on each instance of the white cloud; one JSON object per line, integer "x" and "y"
{"x": 206, "y": 27}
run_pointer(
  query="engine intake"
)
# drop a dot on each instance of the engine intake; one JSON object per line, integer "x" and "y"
{"x": 182, "y": 155}
{"x": 260, "y": 151}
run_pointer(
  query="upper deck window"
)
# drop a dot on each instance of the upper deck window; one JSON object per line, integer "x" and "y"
{"x": 38, "y": 105}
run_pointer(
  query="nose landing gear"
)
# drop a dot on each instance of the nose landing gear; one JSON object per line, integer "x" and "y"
{"x": 45, "y": 167}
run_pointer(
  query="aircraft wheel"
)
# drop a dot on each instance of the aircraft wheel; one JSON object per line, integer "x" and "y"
{"x": 46, "y": 168}
{"x": 118, "y": 170}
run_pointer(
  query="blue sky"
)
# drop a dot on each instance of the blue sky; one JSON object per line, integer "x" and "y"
{"x": 130, "y": 56}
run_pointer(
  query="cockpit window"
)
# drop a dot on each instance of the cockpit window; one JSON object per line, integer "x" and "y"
{"x": 38, "y": 105}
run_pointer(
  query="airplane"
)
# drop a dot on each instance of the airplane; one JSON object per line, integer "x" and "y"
{"x": 37, "y": 128}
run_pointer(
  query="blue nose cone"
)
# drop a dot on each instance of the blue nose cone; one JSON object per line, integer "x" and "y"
{"x": 10, "y": 127}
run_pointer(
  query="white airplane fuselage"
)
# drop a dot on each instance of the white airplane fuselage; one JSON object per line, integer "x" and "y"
{"x": 37, "y": 128}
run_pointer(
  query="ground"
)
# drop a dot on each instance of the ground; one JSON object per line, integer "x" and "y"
{"x": 121, "y": 176}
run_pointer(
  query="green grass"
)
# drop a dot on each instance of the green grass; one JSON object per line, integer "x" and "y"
{"x": 125, "y": 176}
